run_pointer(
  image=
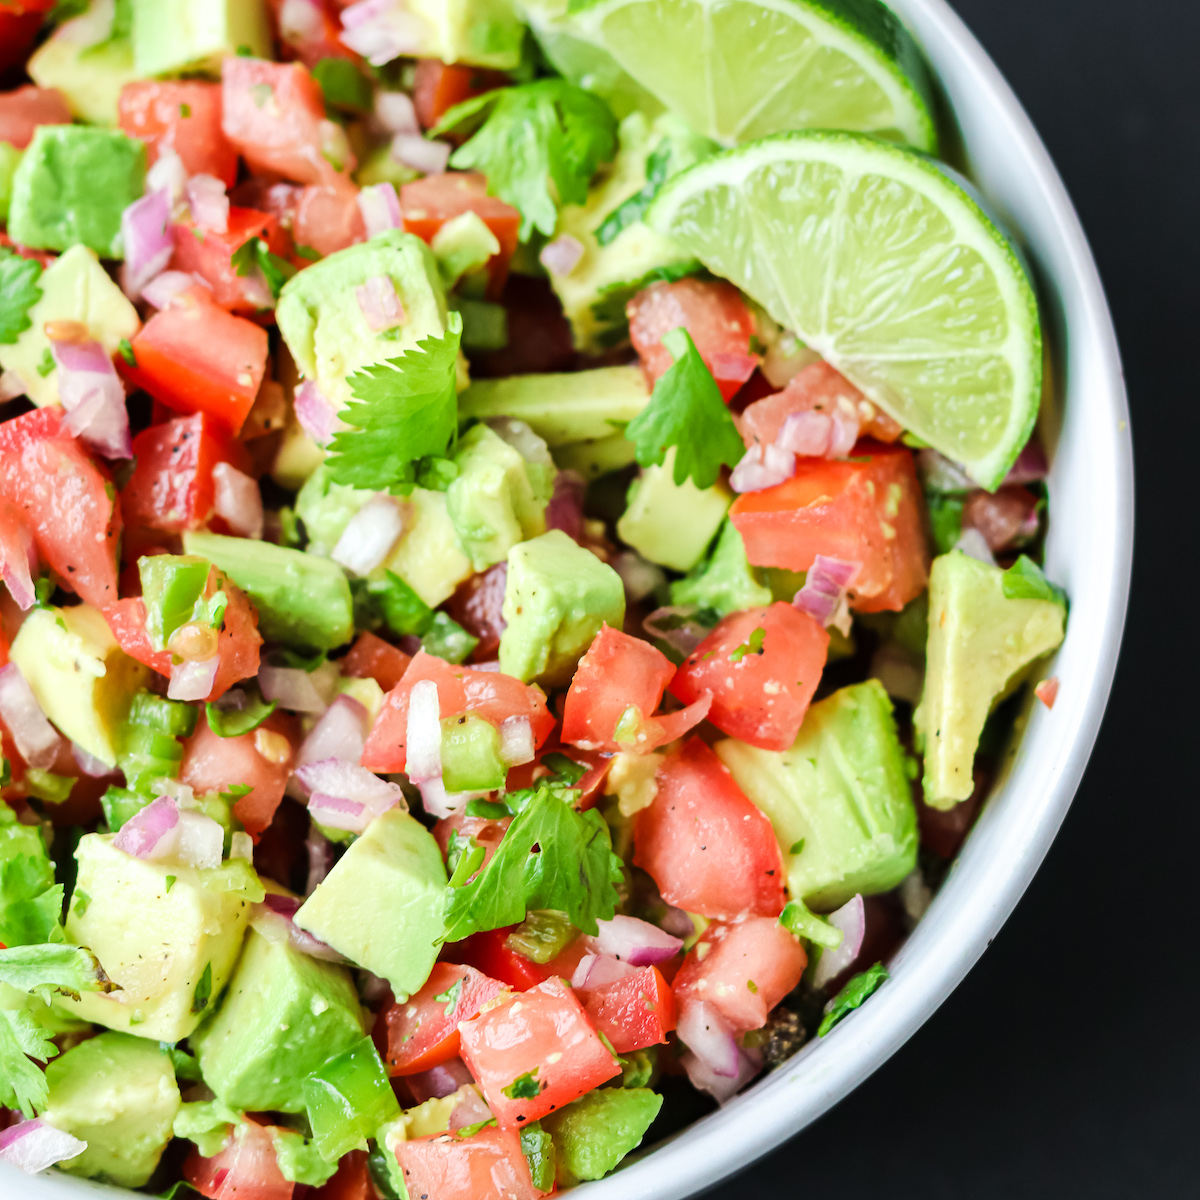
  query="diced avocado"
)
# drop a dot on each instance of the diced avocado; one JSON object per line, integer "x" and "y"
{"x": 366, "y": 691}
{"x": 117, "y": 1093}
{"x": 839, "y": 799}
{"x": 10, "y": 157}
{"x": 297, "y": 458}
{"x": 492, "y": 502}
{"x": 595, "y": 1132}
{"x": 669, "y": 523}
{"x": 463, "y": 246}
{"x": 72, "y": 186}
{"x": 75, "y": 287}
{"x": 726, "y": 582}
{"x": 557, "y": 597}
{"x": 89, "y": 71}
{"x": 596, "y": 457}
{"x": 82, "y": 679}
{"x": 381, "y": 905}
{"x": 471, "y": 759}
{"x": 324, "y": 327}
{"x": 326, "y": 508}
{"x": 302, "y": 599}
{"x": 171, "y": 37}
{"x": 283, "y": 1015}
{"x": 980, "y": 645}
{"x": 170, "y": 946}
{"x": 572, "y": 407}
{"x": 481, "y": 33}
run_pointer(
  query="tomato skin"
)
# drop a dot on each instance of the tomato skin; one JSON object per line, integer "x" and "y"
{"x": 372, "y": 658}
{"x": 328, "y": 218}
{"x": 616, "y": 673}
{"x": 25, "y": 108}
{"x": 66, "y": 500}
{"x": 487, "y": 1165}
{"x": 198, "y": 358}
{"x": 351, "y": 1181}
{"x": 208, "y": 254}
{"x": 420, "y": 1033}
{"x": 439, "y": 86}
{"x": 762, "y": 698}
{"x": 709, "y": 849}
{"x": 866, "y": 509}
{"x": 521, "y": 1037}
{"x": 429, "y": 203}
{"x": 490, "y": 953}
{"x": 153, "y": 111}
{"x": 245, "y": 1170}
{"x": 728, "y": 958}
{"x": 489, "y": 694}
{"x": 634, "y": 1012}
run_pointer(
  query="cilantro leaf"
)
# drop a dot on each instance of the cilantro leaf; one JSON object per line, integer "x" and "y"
{"x": 753, "y": 645}
{"x": 22, "y": 1084}
{"x": 863, "y": 985}
{"x": 46, "y": 969}
{"x": 524, "y": 1087}
{"x": 30, "y": 901}
{"x": 531, "y": 137}
{"x": 404, "y": 410}
{"x": 1025, "y": 580}
{"x": 203, "y": 992}
{"x": 797, "y": 918}
{"x": 630, "y": 211}
{"x": 19, "y": 292}
{"x": 686, "y": 412}
{"x": 239, "y": 711}
{"x": 551, "y": 857}
{"x": 253, "y": 255}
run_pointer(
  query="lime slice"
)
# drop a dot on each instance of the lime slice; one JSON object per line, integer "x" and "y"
{"x": 886, "y": 268}
{"x": 738, "y": 70}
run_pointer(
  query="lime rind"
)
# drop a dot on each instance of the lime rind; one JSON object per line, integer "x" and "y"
{"x": 888, "y": 269}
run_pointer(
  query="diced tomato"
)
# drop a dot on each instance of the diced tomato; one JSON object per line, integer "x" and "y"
{"x": 742, "y": 970}
{"x": 196, "y": 357}
{"x": 440, "y": 86}
{"x": 865, "y": 509}
{"x": 488, "y": 694}
{"x": 761, "y": 684}
{"x": 429, "y": 203}
{"x": 184, "y": 115}
{"x": 633, "y": 1012}
{"x": 351, "y": 1181}
{"x": 127, "y": 620}
{"x": 490, "y": 952}
{"x": 709, "y": 849}
{"x": 1005, "y": 517}
{"x": 208, "y": 254}
{"x": 16, "y": 543}
{"x": 23, "y": 110}
{"x": 67, "y": 502}
{"x": 274, "y": 115}
{"x": 17, "y": 31}
{"x": 262, "y": 759}
{"x": 328, "y": 218}
{"x": 619, "y": 683}
{"x": 713, "y": 313}
{"x": 308, "y": 31}
{"x": 372, "y": 658}
{"x": 543, "y": 1033}
{"x": 245, "y": 1170}
{"x": 476, "y": 607}
{"x": 423, "y": 1031}
{"x": 488, "y": 1165}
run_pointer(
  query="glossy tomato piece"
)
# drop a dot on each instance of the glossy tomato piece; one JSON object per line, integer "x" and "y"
{"x": 372, "y": 658}
{"x": 543, "y": 1033}
{"x": 619, "y": 683}
{"x": 16, "y": 544}
{"x": 328, "y": 218}
{"x": 742, "y": 970}
{"x": 422, "y": 1032}
{"x": 25, "y": 108}
{"x": 66, "y": 500}
{"x": 488, "y": 694}
{"x": 351, "y": 1181}
{"x": 196, "y": 357}
{"x": 709, "y": 849}
{"x": 184, "y": 115}
{"x": 209, "y": 254}
{"x": 476, "y": 606}
{"x": 633, "y": 1012}
{"x": 440, "y": 86}
{"x": 429, "y": 203}
{"x": 867, "y": 509}
{"x": 488, "y": 1165}
{"x": 245, "y": 1170}
{"x": 761, "y": 684}
{"x": 490, "y": 952}
{"x": 274, "y": 116}
{"x": 713, "y": 313}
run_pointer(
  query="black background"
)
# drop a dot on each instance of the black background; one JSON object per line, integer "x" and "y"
{"x": 1067, "y": 1064}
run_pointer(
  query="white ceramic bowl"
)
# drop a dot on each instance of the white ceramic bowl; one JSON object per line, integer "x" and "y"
{"x": 1089, "y": 551}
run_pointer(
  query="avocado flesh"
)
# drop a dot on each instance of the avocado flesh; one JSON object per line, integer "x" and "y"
{"x": 117, "y": 1093}
{"x": 979, "y": 647}
{"x": 10, "y": 158}
{"x": 481, "y": 33}
{"x": 842, "y": 791}
{"x": 594, "y": 1133}
{"x": 89, "y": 77}
{"x": 171, "y": 37}
{"x": 726, "y": 582}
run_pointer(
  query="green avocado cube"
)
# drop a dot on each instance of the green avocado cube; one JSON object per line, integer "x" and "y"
{"x": 89, "y": 74}
{"x": 117, "y": 1093}
{"x": 381, "y": 905}
{"x": 726, "y": 582}
{"x": 283, "y": 1015}
{"x": 594, "y": 1133}
{"x": 481, "y": 33}
{"x": 348, "y": 1098}
{"x": 557, "y": 597}
{"x": 171, "y": 37}
{"x": 10, "y": 158}
{"x": 72, "y": 186}
{"x": 839, "y": 799}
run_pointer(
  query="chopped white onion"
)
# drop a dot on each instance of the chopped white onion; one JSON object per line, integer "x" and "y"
{"x": 18, "y": 566}
{"x": 423, "y": 736}
{"x": 561, "y": 256}
{"x": 346, "y": 796}
{"x": 168, "y": 174}
{"x": 633, "y": 941}
{"x": 313, "y": 412}
{"x": 294, "y": 688}
{"x": 973, "y": 542}
{"x": 209, "y": 203}
{"x": 429, "y": 157}
{"x": 516, "y": 741}
{"x": 236, "y": 498}
{"x": 340, "y": 733}
{"x": 379, "y": 303}
{"x": 806, "y": 434}
{"x": 38, "y": 742}
{"x": 241, "y": 845}
{"x": 380, "y": 208}
{"x": 762, "y": 467}
{"x": 851, "y": 919}
{"x": 939, "y": 474}
{"x": 92, "y": 393}
{"x": 152, "y": 834}
{"x": 193, "y": 680}
{"x": 381, "y": 30}
{"x": 440, "y": 803}
{"x": 370, "y": 535}
{"x": 92, "y": 27}
{"x": 201, "y": 840}
{"x": 147, "y": 239}
{"x": 395, "y": 112}
{"x": 165, "y": 288}
{"x": 844, "y": 428}
{"x": 32, "y": 1146}
{"x": 469, "y": 1108}
{"x": 704, "y": 1031}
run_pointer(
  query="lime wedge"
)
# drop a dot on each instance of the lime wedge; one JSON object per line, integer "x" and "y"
{"x": 738, "y": 70}
{"x": 886, "y": 268}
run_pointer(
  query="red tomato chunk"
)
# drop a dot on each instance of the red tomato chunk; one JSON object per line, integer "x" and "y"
{"x": 209, "y": 255}
{"x": 439, "y": 86}
{"x": 488, "y": 1165}
{"x": 23, "y": 110}
{"x": 633, "y": 1012}
{"x": 184, "y": 116}
{"x": 372, "y": 658}
{"x": 245, "y": 1170}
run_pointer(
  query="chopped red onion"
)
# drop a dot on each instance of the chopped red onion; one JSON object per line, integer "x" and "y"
{"x": 565, "y": 510}
{"x": 301, "y": 21}
{"x": 806, "y": 434}
{"x": 18, "y": 566}
{"x": 201, "y": 841}
{"x": 193, "y": 680}
{"x": 641, "y": 578}
{"x": 1031, "y": 464}
{"x": 339, "y": 734}
{"x": 703, "y": 1030}
{"x": 440, "y": 803}
{"x": 732, "y": 367}
{"x": 677, "y": 923}
{"x": 168, "y": 174}
{"x": 380, "y": 208}
{"x": 314, "y": 412}
{"x": 596, "y": 970}
{"x": 92, "y": 393}
{"x": 32, "y": 1146}
{"x": 89, "y": 764}
{"x": 164, "y": 289}
{"x": 395, "y": 112}
{"x": 38, "y": 742}
{"x": 762, "y": 467}
{"x": 636, "y": 942}
{"x": 561, "y": 256}
{"x": 516, "y": 741}
{"x": 147, "y": 240}
{"x": 153, "y": 833}
{"x": 674, "y": 626}
{"x": 440, "y": 1081}
{"x": 335, "y": 812}
{"x": 722, "y": 1088}
{"x": 320, "y": 859}
{"x": 236, "y": 498}
{"x": 209, "y": 204}
{"x": 351, "y": 795}
{"x": 292, "y": 687}
{"x": 379, "y": 304}
{"x": 851, "y": 919}
{"x": 381, "y": 30}
{"x": 469, "y": 1109}
{"x": 370, "y": 535}
{"x": 823, "y": 595}
{"x": 273, "y": 919}
{"x": 423, "y": 740}
{"x": 844, "y": 428}
{"x": 421, "y": 154}
{"x": 973, "y": 542}
{"x": 11, "y": 386}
